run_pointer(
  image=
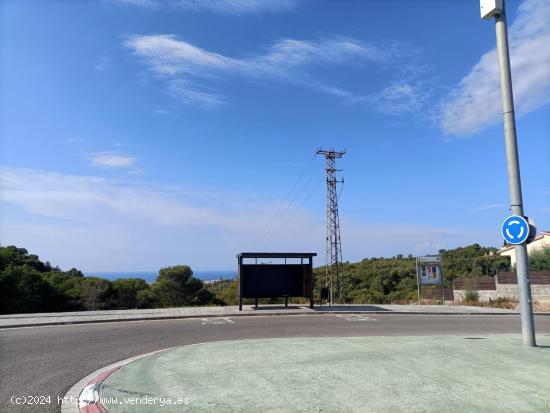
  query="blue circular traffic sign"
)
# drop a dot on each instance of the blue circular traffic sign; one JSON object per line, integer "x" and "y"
{"x": 515, "y": 230}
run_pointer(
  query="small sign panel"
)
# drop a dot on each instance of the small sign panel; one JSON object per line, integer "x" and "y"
{"x": 489, "y": 8}
{"x": 515, "y": 230}
{"x": 428, "y": 270}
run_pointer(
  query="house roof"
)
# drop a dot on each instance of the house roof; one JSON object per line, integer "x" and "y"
{"x": 538, "y": 237}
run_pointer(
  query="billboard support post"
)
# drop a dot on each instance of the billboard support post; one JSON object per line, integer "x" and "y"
{"x": 429, "y": 270}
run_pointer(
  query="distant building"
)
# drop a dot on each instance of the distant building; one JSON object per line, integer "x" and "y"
{"x": 541, "y": 241}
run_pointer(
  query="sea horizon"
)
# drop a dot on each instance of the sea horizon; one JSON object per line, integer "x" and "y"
{"x": 150, "y": 276}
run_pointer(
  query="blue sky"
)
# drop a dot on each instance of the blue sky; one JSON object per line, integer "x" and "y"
{"x": 137, "y": 134}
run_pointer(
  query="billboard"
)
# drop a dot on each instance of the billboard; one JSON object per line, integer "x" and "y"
{"x": 274, "y": 280}
{"x": 260, "y": 280}
{"x": 429, "y": 270}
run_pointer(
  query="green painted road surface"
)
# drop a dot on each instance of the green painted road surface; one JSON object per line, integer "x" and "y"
{"x": 362, "y": 374}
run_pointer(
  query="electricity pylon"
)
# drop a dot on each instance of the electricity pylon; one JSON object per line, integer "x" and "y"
{"x": 333, "y": 243}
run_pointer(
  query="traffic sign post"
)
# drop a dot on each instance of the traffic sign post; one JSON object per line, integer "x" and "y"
{"x": 497, "y": 9}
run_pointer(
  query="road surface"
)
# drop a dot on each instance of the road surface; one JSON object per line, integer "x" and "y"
{"x": 49, "y": 360}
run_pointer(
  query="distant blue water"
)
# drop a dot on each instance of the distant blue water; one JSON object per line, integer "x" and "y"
{"x": 151, "y": 276}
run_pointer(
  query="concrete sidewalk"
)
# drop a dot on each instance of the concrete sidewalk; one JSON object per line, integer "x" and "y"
{"x": 81, "y": 317}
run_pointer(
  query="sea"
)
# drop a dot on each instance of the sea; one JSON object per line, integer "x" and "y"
{"x": 151, "y": 276}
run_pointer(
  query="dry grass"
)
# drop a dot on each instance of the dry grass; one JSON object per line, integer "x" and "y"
{"x": 501, "y": 302}
{"x": 541, "y": 307}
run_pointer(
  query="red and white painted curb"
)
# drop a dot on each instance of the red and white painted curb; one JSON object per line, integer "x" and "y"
{"x": 84, "y": 396}
{"x": 86, "y": 393}
{"x": 89, "y": 401}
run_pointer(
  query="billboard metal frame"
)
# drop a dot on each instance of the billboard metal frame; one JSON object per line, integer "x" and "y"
{"x": 306, "y": 264}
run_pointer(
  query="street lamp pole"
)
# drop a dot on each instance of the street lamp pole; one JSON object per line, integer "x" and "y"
{"x": 496, "y": 9}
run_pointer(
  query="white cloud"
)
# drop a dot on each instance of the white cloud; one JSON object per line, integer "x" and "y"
{"x": 188, "y": 68}
{"x": 104, "y": 224}
{"x": 486, "y": 207}
{"x": 475, "y": 103}
{"x": 111, "y": 160}
{"x": 75, "y": 219}
{"x": 218, "y": 6}
{"x": 189, "y": 94}
{"x": 400, "y": 98}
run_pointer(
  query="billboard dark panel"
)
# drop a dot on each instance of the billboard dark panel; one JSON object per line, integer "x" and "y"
{"x": 272, "y": 280}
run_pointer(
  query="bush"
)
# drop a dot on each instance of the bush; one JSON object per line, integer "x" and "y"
{"x": 225, "y": 292}
{"x": 471, "y": 298}
{"x": 539, "y": 260}
{"x": 502, "y": 302}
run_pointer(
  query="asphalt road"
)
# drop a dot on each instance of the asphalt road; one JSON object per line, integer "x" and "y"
{"x": 48, "y": 360}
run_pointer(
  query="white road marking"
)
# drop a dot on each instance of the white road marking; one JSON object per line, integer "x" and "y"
{"x": 217, "y": 320}
{"x": 355, "y": 317}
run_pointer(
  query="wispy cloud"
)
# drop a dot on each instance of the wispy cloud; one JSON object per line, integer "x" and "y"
{"x": 151, "y": 4}
{"x": 111, "y": 160}
{"x": 399, "y": 98}
{"x": 217, "y": 6}
{"x": 475, "y": 103}
{"x": 106, "y": 224}
{"x": 103, "y": 64}
{"x": 486, "y": 207}
{"x": 88, "y": 218}
{"x": 76, "y": 140}
{"x": 190, "y": 71}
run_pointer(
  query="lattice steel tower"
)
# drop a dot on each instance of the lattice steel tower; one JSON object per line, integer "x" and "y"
{"x": 333, "y": 243}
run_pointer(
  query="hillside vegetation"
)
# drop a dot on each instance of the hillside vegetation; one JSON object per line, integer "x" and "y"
{"x": 393, "y": 280}
{"x": 29, "y": 285}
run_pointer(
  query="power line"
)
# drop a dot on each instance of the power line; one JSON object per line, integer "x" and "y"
{"x": 283, "y": 206}
{"x": 286, "y": 207}
{"x": 291, "y": 217}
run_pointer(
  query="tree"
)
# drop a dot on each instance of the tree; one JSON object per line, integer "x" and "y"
{"x": 472, "y": 261}
{"x": 176, "y": 286}
{"x": 68, "y": 287}
{"x": 25, "y": 291}
{"x": 539, "y": 260}
{"x": 125, "y": 292}
{"x": 73, "y": 272}
{"x": 11, "y": 255}
{"x": 95, "y": 292}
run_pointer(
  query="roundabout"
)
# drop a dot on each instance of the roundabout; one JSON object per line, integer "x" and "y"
{"x": 393, "y": 344}
{"x": 337, "y": 374}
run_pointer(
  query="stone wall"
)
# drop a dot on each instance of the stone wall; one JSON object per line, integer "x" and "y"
{"x": 484, "y": 295}
{"x": 538, "y": 292}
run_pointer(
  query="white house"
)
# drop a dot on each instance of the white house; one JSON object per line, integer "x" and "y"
{"x": 541, "y": 241}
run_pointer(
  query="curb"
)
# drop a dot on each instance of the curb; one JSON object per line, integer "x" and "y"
{"x": 88, "y": 387}
{"x": 89, "y": 397}
{"x": 183, "y": 317}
